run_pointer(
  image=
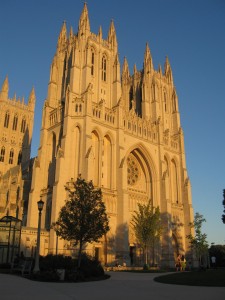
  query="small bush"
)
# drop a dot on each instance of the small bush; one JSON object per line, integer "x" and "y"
{"x": 53, "y": 262}
{"x": 90, "y": 268}
{"x": 146, "y": 267}
{"x": 5, "y": 266}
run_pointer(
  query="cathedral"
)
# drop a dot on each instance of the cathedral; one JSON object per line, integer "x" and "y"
{"x": 118, "y": 129}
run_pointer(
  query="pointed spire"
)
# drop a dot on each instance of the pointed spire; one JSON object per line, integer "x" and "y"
{"x": 63, "y": 35}
{"x": 135, "y": 69}
{"x": 148, "y": 65}
{"x": 100, "y": 32}
{"x": 5, "y": 86}
{"x": 116, "y": 73}
{"x": 166, "y": 66}
{"x": 5, "y": 89}
{"x": 84, "y": 23}
{"x": 32, "y": 99}
{"x": 125, "y": 70}
{"x": 71, "y": 33}
{"x": 112, "y": 35}
{"x": 147, "y": 52}
{"x": 168, "y": 71}
{"x": 160, "y": 69}
{"x": 14, "y": 97}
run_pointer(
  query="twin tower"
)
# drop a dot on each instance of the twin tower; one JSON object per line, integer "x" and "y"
{"x": 118, "y": 129}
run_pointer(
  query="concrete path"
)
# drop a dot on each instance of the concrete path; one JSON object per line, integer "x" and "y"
{"x": 121, "y": 285}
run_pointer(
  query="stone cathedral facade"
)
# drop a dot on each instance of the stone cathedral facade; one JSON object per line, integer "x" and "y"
{"x": 16, "y": 124}
{"x": 118, "y": 129}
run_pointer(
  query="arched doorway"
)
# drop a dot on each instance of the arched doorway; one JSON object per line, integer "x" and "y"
{"x": 140, "y": 191}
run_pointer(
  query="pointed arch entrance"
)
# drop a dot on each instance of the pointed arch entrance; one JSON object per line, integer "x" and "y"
{"x": 139, "y": 184}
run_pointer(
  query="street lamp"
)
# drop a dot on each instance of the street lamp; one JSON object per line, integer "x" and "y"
{"x": 40, "y": 204}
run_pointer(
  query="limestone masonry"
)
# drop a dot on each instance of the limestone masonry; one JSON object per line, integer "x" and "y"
{"x": 120, "y": 130}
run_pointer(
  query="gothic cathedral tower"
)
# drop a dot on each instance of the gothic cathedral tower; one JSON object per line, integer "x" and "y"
{"x": 16, "y": 127}
{"x": 121, "y": 132}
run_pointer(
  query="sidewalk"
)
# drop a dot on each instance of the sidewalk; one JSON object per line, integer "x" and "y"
{"x": 121, "y": 285}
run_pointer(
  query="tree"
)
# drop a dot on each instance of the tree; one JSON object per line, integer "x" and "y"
{"x": 83, "y": 218}
{"x": 223, "y": 216}
{"x": 219, "y": 252}
{"x": 146, "y": 223}
{"x": 198, "y": 242}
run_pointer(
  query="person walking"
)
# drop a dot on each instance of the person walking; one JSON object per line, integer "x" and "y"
{"x": 183, "y": 263}
{"x": 178, "y": 263}
{"x": 213, "y": 261}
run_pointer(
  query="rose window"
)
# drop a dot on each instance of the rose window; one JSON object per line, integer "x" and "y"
{"x": 132, "y": 171}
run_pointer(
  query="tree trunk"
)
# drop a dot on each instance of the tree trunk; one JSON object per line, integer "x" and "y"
{"x": 79, "y": 254}
{"x": 105, "y": 249}
{"x": 153, "y": 252}
{"x": 146, "y": 255}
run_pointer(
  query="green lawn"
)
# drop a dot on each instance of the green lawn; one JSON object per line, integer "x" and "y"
{"x": 212, "y": 277}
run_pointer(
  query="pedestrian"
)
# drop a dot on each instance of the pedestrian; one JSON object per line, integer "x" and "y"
{"x": 178, "y": 263}
{"x": 213, "y": 261}
{"x": 183, "y": 263}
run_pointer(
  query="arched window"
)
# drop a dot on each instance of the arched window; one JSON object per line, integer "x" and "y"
{"x": 15, "y": 122}
{"x": 19, "y": 158}
{"x": 153, "y": 91}
{"x": 23, "y": 125}
{"x": 77, "y": 151}
{"x": 11, "y": 155}
{"x": 96, "y": 157}
{"x": 107, "y": 161}
{"x": 174, "y": 102}
{"x": 53, "y": 146}
{"x": 92, "y": 62}
{"x": 104, "y": 68}
{"x": 131, "y": 97}
{"x": 6, "y": 123}
{"x": 165, "y": 101}
{"x": 2, "y": 155}
{"x": 174, "y": 182}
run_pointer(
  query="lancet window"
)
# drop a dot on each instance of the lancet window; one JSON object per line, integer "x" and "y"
{"x": 174, "y": 182}
{"x": 6, "y": 123}
{"x": 23, "y": 125}
{"x": 92, "y": 62}
{"x": 15, "y": 122}
{"x": 19, "y": 157}
{"x": 2, "y": 155}
{"x": 11, "y": 155}
{"x": 104, "y": 68}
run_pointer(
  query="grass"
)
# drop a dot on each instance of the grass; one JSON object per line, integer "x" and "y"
{"x": 212, "y": 277}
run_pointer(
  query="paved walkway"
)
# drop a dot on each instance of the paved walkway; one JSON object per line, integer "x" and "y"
{"x": 121, "y": 285}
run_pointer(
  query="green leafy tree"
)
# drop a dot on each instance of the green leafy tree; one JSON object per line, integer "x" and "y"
{"x": 223, "y": 215}
{"x": 83, "y": 218}
{"x": 198, "y": 241}
{"x": 146, "y": 223}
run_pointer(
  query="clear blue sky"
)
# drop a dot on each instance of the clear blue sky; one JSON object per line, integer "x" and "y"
{"x": 190, "y": 32}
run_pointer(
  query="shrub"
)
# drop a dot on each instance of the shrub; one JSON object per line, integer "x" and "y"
{"x": 5, "y": 266}
{"x": 90, "y": 268}
{"x": 146, "y": 267}
{"x": 53, "y": 262}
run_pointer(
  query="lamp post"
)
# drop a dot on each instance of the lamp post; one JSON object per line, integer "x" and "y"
{"x": 40, "y": 204}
